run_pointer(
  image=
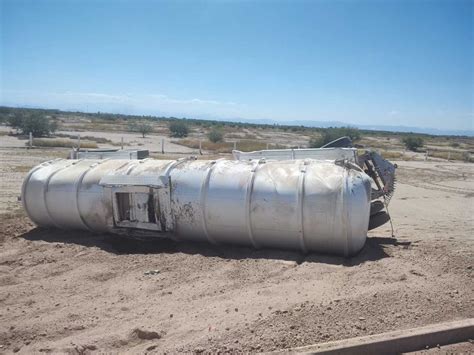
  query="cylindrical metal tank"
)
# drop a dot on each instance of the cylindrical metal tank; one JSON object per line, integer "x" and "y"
{"x": 307, "y": 205}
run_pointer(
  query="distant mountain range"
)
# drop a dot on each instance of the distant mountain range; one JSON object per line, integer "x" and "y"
{"x": 325, "y": 124}
{"x": 375, "y": 127}
{"x": 306, "y": 123}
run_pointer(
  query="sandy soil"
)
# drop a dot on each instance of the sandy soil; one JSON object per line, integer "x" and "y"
{"x": 78, "y": 292}
{"x": 131, "y": 140}
{"x": 135, "y": 140}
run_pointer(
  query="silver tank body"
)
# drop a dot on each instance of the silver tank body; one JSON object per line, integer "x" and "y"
{"x": 307, "y": 205}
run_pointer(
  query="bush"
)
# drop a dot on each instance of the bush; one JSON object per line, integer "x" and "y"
{"x": 142, "y": 127}
{"x": 316, "y": 142}
{"x": 178, "y": 129}
{"x": 466, "y": 156}
{"x": 35, "y": 123}
{"x": 215, "y": 135}
{"x": 413, "y": 143}
{"x": 332, "y": 133}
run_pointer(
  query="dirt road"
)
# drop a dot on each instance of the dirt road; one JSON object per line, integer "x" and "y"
{"x": 77, "y": 292}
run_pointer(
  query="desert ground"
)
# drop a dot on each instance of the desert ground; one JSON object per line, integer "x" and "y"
{"x": 77, "y": 292}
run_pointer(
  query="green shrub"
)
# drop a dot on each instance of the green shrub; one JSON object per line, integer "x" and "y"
{"x": 141, "y": 127}
{"x": 178, "y": 129}
{"x": 215, "y": 135}
{"x": 35, "y": 123}
{"x": 332, "y": 133}
{"x": 413, "y": 143}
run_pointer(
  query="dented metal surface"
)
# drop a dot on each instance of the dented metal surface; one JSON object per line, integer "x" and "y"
{"x": 307, "y": 205}
{"x": 381, "y": 171}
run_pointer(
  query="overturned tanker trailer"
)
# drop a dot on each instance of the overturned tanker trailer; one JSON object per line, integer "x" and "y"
{"x": 381, "y": 171}
{"x": 308, "y": 205}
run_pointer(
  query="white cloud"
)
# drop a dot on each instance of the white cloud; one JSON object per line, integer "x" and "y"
{"x": 128, "y": 103}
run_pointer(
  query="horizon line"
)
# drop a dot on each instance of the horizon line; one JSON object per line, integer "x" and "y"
{"x": 254, "y": 121}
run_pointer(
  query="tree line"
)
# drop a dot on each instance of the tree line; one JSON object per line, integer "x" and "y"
{"x": 44, "y": 122}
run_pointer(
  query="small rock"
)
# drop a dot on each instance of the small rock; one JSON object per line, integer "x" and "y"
{"x": 76, "y": 327}
{"x": 16, "y": 349}
{"x": 145, "y": 334}
{"x": 151, "y": 347}
{"x": 152, "y": 272}
{"x": 236, "y": 309}
{"x": 361, "y": 318}
{"x": 171, "y": 315}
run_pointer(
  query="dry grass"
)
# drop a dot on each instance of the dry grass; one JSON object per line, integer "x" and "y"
{"x": 221, "y": 147}
{"x": 452, "y": 155}
{"x": 381, "y": 143}
{"x": 61, "y": 143}
{"x": 175, "y": 156}
{"x": 21, "y": 168}
{"x": 100, "y": 140}
{"x": 45, "y": 153}
{"x": 96, "y": 126}
{"x": 249, "y": 145}
{"x": 395, "y": 155}
{"x": 241, "y": 136}
{"x": 245, "y": 145}
{"x": 119, "y": 144}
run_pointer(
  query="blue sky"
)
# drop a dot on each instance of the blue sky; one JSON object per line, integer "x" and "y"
{"x": 361, "y": 62}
